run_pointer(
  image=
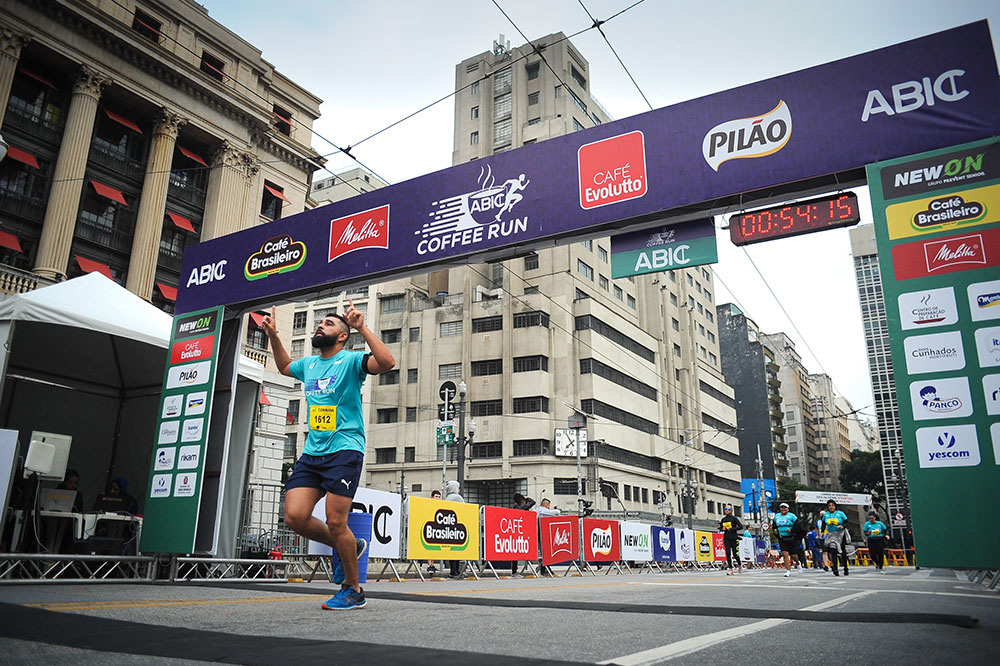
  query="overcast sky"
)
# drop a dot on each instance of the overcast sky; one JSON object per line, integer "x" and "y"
{"x": 374, "y": 62}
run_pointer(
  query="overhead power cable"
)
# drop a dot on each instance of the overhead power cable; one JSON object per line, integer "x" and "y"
{"x": 598, "y": 24}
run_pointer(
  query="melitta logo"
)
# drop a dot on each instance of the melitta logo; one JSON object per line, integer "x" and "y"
{"x": 601, "y": 540}
{"x": 756, "y": 136}
{"x": 946, "y": 210}
{"x": 445, "y": 530}
{"x": 954, "y": 251}
{"x": 208, "y": 273}
{"x": 612, "y": 170}
{"x": 277, "y": 255}
{"x": 954, "y": 446}
{"x": 911, "y": 95}
{"x": 472, "y": 217}
{"x": 559, "y": 535}
{"x": 368, "y": 229}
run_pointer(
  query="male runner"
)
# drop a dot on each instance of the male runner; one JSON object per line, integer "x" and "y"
{"x": 334, "y": 451}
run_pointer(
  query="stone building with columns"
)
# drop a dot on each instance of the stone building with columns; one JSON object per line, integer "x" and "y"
{"x": 137, "y": 129}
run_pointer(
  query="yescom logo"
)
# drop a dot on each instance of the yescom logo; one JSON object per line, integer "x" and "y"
{"x": 951, "y": 446}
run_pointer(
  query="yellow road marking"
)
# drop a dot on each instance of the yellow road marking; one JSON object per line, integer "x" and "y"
{"x": 111, "y": 605}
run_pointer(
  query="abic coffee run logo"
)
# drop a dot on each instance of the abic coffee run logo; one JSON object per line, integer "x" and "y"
{"x": 756, "y": 136}
{"x": 445, "y": 532}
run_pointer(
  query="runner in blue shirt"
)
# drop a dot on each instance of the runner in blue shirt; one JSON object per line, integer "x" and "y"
{"x": 330, "y": 465}
{"x": 876, "y": 532}
{"x": 835, "y": 536}
{"x": 784, "y": 525}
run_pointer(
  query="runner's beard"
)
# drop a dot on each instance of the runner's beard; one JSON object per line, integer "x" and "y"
{"x": 321, "y": 341}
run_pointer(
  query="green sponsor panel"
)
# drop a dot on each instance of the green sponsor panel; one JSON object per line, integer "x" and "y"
{"x": 937, "y": 228}
{"x": 178, "y": 459}
{"x": 667, "y": 248}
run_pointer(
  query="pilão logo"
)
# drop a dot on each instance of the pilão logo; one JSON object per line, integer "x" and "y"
{"x": 757, "y": 136}
{"x": 445, "y": 532}
{"x": 280, "y": 254}
{"x": 601, "y": 540}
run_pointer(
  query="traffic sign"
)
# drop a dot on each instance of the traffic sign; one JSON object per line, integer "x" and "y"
{"x": 765, "y": 526}
{"x": 446, "y": 412}
{"x": 445, "y": 434}
{"x": 447, "y": 391}
{"x": 899, "y": 516}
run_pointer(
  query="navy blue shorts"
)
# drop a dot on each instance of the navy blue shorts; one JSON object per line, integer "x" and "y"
{"x": 337, "y": 473}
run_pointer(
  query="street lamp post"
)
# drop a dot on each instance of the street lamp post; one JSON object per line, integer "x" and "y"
{"x": 462, "y": 390}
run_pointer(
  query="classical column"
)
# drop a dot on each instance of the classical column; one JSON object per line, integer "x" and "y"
{"x": 11, "y": 44}
{"x": 67, "y": 178}
{"x": 152, "y": 205}
{"x": 226, "y": 200}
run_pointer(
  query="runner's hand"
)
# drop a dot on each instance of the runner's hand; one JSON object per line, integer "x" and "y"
{"x": 355, "y": 317}
{"x": 270, "y": 324}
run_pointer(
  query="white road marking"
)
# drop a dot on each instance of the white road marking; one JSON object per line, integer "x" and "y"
{"x": 696, "y": 643}
{"x": 986, "y": 594}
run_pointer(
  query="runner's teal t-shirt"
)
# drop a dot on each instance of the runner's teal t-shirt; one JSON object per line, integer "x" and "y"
{"x": 834, "y": 521}
{"x": 333, "y": 394}
{"x": 784, "y": 523}
{"x": 876, "y": 529}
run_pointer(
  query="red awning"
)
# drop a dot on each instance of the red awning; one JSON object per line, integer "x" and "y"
{"x": 22, "y": 156}
{"x": 289, "y": 419}
{"x": 287, "y": 121}
{"x": 108, "y": 192}
{"x": 10, "y": 241}
{"x": 257, "y": 319}
{"x": 123, "y": 120}
{"x": 169, "y": 293}
{"x": 181, "y": 222}
{"x": 263, "y": 398}
{"x": 89, "y": 266}
{"x": 192, "y": 155}
{"x": 276, "y": 192}
{"x": 38, "y": 77}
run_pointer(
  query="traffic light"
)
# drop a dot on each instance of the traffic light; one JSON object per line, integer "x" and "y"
{"x": 587, "y": 510}
{"x": 607, "y": 489}
{"x": 668, "y": 521}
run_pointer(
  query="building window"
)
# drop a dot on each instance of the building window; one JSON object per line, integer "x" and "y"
{"x": 502, "y": 133}
{"x": 415, "y": 334}
{"x": 576, "y": 125}
{"x": 581, "y": 295}
{"x": 474, "y": 88}
{"x": 533, "y": 98}
{"x": 486, "y": 368}
{"x": 487, "y": 450}
{"x": 486, "y": 408}
{"x": 410, "y": 455}
{"x": 388, "y": 416}
{"x": 501, "y": 81}
{"x": 531, "y": 363}
{"x": 501, "y": 106}
{"x": 531, "y": 262}
{"x": 619, "y": 294}
{"x": 391, "y": 335}
{"x": 677, "y": 350}
{"x": 282, "y": 120}
{"x": 558, "y": 92}
{"x": 530, "y": 289}
{"x": 630, "y": 301}
{"x": 603, "y": 281}
{"x": 475, "y": 112}
{"x": 532, "y": 69}
{"x": 566, "y": 486}
{"x": 212, "y": 66}
{"x": 589, "y": 365}
{"x": 291, "y": 446}
{"x": 270, "y": 201}
{"x": 299, "y": 321}
{"x": 450, "y": 329}
{"x": 584, "y": 270}
{"x": 645, "y": 496}
{"x": 298, "y": 349}
{"x": 680, "y": 409}
{"x": 534, "y": 121}
{"x": 385, "y": 456}
{"x": 474, "y": 139}
{"x": 389, "y": 378}
{"x": 588, "y": 322}
{"x": 531, "y": 404}
{"x": 674, "y": 324}
{"x": 617, "y": 415}
{"x": 147, "y": 26}
{"x": 392, "y": 304}
{"x": 579, "y": 102}
{"x": 531, "y": 447}
{"x": 578, "y": 77}
{"x": 526, "y": 319}
{"x": 628, "y": 492}
{"x": 487, "y": 324}
{"x": 449, "y": 370}
{"x": 602, "y": 254}
{"x": 293, "y": 411}
{"x": 708, "y": 296}
{"x": 411, "y": 417}
{"x": 416, "y": 487}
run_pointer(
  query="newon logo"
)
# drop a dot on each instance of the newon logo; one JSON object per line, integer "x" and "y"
{"x": 189, "y": 457}
{"x": 946, "y": 255}
{"x": 277, "y": 255}
{"x": 948, "y": 446}
{"x": 941, "y": 399}
{"x": 940, "y": 352}
{"x": 757, "y": 136}
{"x": 991, "y": 389}
{"x": 968, "y": 166}
{"x": 197, "y": 325}
{"x": 160, "y": 486}
{"x": 984, "y": 300}
{"x": 368, "y": 229}
{"x": 928, "y": 308}
{"x": 191, "y": 374}
{"x": 612, "y": 170}
{"x": 192, "y": 350}
{"x": 988, "y": 346}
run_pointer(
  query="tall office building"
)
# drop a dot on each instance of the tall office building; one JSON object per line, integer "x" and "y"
{"x": 540, "y": 335}
{"x": 861, "y": 432}
{"x": 890, "y": 438}
{"x": 750, "y": 367}
{"x": 796, "y": 398}
{"x": 833, "y": 442}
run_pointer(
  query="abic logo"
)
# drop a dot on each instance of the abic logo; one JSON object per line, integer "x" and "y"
{"x": 756, "y": 136}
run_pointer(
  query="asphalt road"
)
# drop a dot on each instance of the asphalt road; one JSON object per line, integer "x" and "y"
{"x": 905, "y": 616}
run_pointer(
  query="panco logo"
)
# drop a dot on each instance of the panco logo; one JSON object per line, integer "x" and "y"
{"x": 601, "y": 541}
{"x": 756, "y": 136}
{"x": 192, "y": 350}
{"x": 365, "y": 230}
{"x": 445, "y": 530}
{"x": 612, "y": 170}
{"x": 277, "y": 255}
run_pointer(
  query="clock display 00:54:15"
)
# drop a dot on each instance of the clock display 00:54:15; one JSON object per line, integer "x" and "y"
{"x": 803, "y": 217}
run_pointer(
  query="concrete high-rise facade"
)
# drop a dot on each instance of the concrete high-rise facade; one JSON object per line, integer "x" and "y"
{"x": 833, "y": 442}
{"x": 796, "y": 399}
{"x": 540, "y": 335}
{"x": 867, "y": 274}
{"x": 861, "y": 432}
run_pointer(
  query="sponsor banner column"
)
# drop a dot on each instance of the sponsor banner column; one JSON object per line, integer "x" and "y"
{"x": 635, "y": 539}
{"x": 439, "y": 530}
{"x": 937, "y": 227}
{"x": 386, "y": 511}
{"x": 601, "y": 540}
{"x": 703, "y": 551}
{"x": 718, "y": 547}
{"x": 171, "y": 509}
{"x": 685, "y": 544}
{"x": 511, "y": 534}
{"x": 560, "y": 536}
{"x": 665, "y": 248}
{"x": 664, "y": 544}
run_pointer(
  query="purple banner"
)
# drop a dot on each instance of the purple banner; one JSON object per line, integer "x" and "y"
{"x": 916, "y": 96}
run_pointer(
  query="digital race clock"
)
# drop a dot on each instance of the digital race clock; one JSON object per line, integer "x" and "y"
{"x": 803, "y": 217}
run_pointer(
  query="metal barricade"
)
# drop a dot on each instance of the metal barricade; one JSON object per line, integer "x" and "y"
{"x": 262, "y": 528}
{"x": 52, "y": 568}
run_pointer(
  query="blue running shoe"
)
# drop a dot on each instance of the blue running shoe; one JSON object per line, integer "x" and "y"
{"x": 346, "y": 599}
{"x": 338, "y": 573}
